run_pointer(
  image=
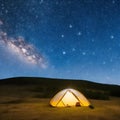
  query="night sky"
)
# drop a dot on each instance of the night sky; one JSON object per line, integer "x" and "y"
{"x": 73, "y": 39}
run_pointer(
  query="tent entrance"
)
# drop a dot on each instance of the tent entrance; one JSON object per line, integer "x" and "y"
{"x": 69, "y": 99}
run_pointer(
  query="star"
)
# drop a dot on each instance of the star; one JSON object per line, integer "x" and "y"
{"x": 63, "y": 52}
{"x": 84, "y": 53}
{"x": 112, "y": 36}
{"x": 62, "y": 36}
{"x": 79, "y": 33}
{"x": 70, "y": 26}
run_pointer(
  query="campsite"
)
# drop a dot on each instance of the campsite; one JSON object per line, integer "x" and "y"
{"x": 59, "y": 59}
{"x": 23, "y": 99}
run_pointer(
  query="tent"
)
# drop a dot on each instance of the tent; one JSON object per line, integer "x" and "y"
{"x": 69, "y": 97}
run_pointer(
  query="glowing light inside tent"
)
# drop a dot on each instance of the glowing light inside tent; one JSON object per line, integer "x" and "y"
{"x": 72, "y": 99}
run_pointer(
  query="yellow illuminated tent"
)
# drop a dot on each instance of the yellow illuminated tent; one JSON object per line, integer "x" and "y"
{"x": 69, "y": 97}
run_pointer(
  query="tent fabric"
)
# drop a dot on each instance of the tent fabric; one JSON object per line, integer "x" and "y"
{"x": 69, "y": 97}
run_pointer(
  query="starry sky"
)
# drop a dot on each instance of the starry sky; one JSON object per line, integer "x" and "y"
{"x": 70, "y": 39}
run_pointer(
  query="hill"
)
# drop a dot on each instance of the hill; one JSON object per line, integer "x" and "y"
{"x": 47, "y": 87}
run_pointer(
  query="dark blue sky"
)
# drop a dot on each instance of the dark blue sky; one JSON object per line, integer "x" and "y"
{"x": 78, "y": 39}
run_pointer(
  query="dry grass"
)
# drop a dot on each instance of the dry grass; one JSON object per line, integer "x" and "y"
{"x": 36, "y": 109}
{"x": 19, "y": 103}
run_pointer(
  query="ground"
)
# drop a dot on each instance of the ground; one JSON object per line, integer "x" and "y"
{"x": 12, "y": 108}
{"x": 23, "y": 102}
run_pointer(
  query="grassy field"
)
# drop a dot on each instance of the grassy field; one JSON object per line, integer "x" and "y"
{"x": 28, "y": 99}
{"x": 22, "y": 103}
{"x": 39, "y": 109}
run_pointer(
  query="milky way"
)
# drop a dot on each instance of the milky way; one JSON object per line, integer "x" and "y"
{"x": 22, "y": 49}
